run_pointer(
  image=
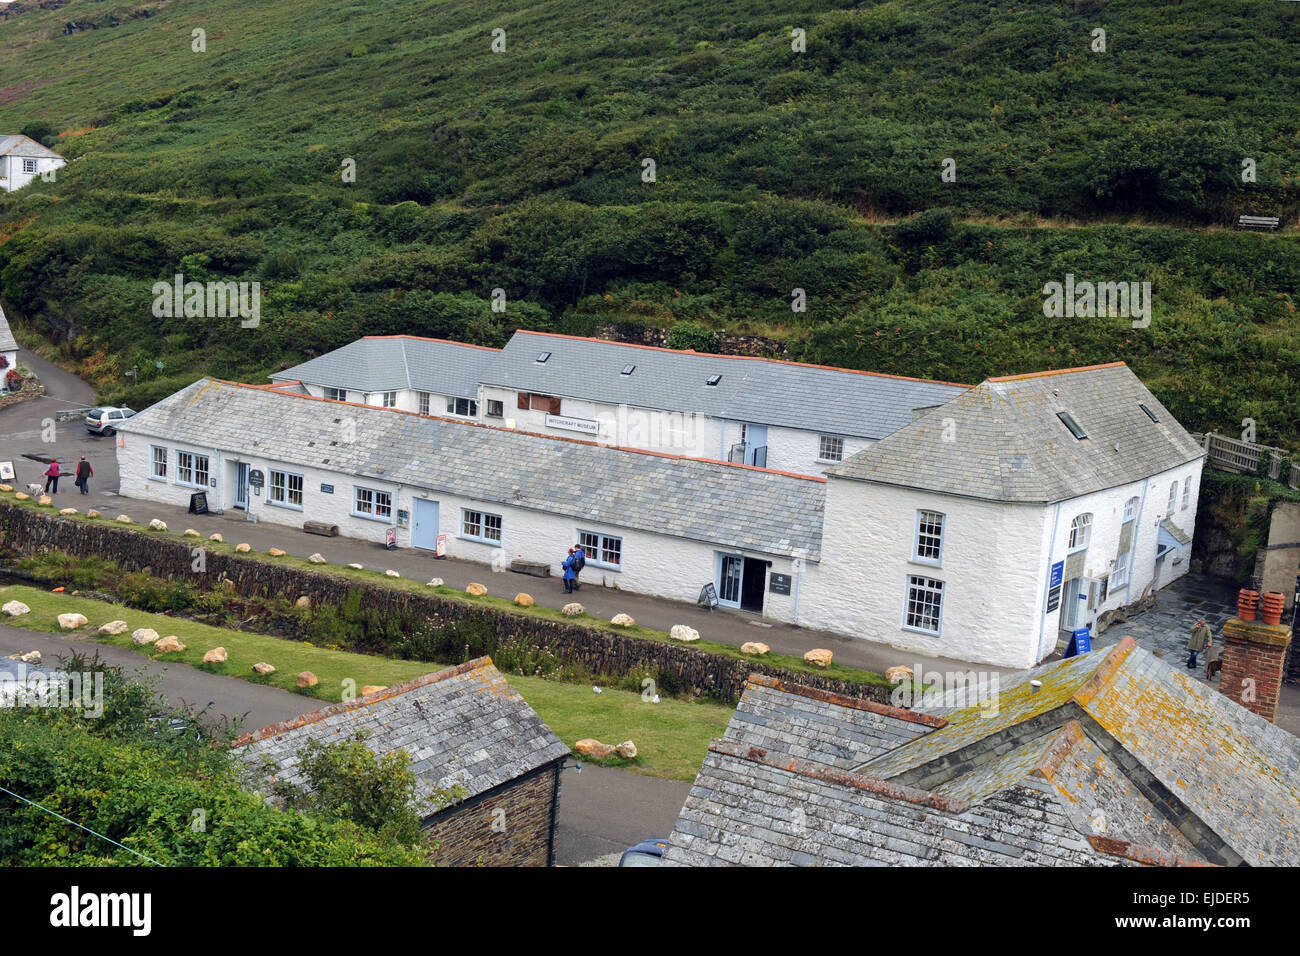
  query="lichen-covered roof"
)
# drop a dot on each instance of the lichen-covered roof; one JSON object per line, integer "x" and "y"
{"x": 464, "y": 725}
{"x": 1115, "y": 749}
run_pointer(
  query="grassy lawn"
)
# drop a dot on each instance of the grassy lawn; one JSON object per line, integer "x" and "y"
{"x": 376, "y": 577}
{"x": 671, "y": 736}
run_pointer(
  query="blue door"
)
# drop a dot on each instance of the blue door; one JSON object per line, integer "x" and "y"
{"x": 241, "y": 485}
{"x": 731, "y": 572}
{"x": 756, "y": 445}
{"x": 424, "y": 524}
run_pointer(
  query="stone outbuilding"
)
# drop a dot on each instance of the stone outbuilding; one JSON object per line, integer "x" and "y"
{"x": 461, "y": 726}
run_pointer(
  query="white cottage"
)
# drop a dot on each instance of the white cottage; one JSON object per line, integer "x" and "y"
{"x": 22, "y": 159}
{"x": 998, "y": 524}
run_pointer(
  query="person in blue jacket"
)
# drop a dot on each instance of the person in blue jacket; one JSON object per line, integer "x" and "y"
{"x": 570, "y": 572}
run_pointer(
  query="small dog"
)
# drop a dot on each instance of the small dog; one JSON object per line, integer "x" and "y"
{"x": 36, "y": 488}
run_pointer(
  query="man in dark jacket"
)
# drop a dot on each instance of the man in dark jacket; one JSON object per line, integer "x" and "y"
{"x": 84, "y": 474}
{"x": 579, "y": 562}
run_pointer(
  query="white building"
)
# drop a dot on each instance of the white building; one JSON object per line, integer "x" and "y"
{"x": 22, "y": 159}
{"x": 775, "y": 414}
{"x": 649, "y": 523}
{"x": 1022, "y": 510}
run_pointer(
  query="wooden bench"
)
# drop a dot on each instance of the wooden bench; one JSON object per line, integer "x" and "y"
{"x": 536, "y": 568}
{"x": 320, "y": 527}
{"x": 1258, "y": 222}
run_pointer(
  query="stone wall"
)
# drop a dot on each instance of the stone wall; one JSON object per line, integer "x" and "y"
{"x": 25, "y": 531}
{"x": 509, "y": 826}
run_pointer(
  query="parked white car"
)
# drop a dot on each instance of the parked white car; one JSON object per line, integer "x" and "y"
{"x": 104, "y": 421}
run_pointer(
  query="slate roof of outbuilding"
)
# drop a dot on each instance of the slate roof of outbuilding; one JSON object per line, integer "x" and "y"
{"x": 464, "y": 725}
{"x": 19, "y": 145}
{"x": 1002, "y": 440}
{"x": 1116, "y": 756}
{"x": 763, "y": 391}
{"x": 731, "y": 505}
{"x": 383, "y": 363}
{"x": 7, "y": 341}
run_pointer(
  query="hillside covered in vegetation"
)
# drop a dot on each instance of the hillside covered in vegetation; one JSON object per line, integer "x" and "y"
{"x": 775, "y": 169}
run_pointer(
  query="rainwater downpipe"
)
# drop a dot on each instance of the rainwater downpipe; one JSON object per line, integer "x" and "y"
{"x": 1051, "y": 552}
{"x": 798, "y": 581}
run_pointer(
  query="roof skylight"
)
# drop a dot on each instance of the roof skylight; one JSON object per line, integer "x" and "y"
{"x": 1150, "y": 414}
{"x": 1068, "y": 420}
{"x": 627, "y": 370}
{"x": 543, "y": 357}
{"x": 713, "y": 380}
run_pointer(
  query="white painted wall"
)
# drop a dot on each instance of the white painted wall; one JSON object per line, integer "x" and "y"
{"x": 11, "y": 171}
{"x": 655, "y": 564}
{"x": 989, "y": 569}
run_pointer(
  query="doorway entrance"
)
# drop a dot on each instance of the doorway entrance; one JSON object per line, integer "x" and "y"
{"x": 241, "y": 485}
{"x": 742, "y": 582}
{"x": 424, "y": 524}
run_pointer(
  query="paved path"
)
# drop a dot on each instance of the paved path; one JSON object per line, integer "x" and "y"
{"x": 602, "y": 809}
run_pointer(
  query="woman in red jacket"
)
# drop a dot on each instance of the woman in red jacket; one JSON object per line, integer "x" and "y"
{"x": 52, "y": 478}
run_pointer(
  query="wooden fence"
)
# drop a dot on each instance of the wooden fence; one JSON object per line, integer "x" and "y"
{"x": 1244, "y": 457}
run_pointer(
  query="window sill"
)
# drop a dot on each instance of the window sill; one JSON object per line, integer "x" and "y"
{"x": 921, "y": 630}
{"x": 487, "y": 541}
{"x": 827, "y": 461}
{"x": 603, "y": 566}
{"x": 358, "y": 514}
{"x": 924, "y": 563}
{"x": 162, "y": 478}
{"x": 285, "y": 506}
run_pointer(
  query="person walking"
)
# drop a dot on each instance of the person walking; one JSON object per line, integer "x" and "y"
{"x": 1201, "y": 638}
{"x": 1213, "y": 661}
{"x": 569, "y": 573}
{"x": 52, "y": 478}
{"x": 84, "y": 474}
{"x": 579, "y": 562}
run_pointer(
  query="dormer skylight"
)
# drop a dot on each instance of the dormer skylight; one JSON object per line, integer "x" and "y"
{"x": 1068, "y": 420}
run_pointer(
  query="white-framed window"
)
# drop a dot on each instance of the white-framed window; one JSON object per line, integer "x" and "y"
{"x": 1173, "y": 498}
{"x": 929, "y": 537}
{"x": 1187, "y": 491}
{"x": 159, "y": 469}
{"x": 1080, "y": 532}
{"x": 389, "y": 399}
{"x": 373, "y": 503}
{"x": 602, "y": 549}
{"x": 496, "y": 408}
{"x": 830, "y": 448}
{"x": 29, "y": 165}
{"x": 1120, "y": 577}
{"x": 424, "y": 402}
{"x": 480, "y": 526}
{"x": 1130, "y": 510}
{"x": 924, "y": 610}
{"x": 192, "y": 469}
{"x": 286, "y": 489}
{"x": 462, "y": 406}
{"x": 337, "y": 394}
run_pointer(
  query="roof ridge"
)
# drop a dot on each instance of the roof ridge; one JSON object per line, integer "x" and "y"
{"x": 847, "y": 701}
{"x": 1091, "y": 687}
{"x": 819, "y": 479}
{"x": 741, "y": 358}
{"x": 416, "y": 338}
{"x": 1056, "y": 371}
{"x": 844, "y": 778}
{"x": 315, "y": 716}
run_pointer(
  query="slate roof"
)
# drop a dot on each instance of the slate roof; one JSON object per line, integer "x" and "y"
{"x": 19, "y": 145}
{"x": 1002, "y": 440}
{"x": 7, "y": 341}
{"x": 464, "y": 725}
{"x": 1116, "y": 757}
{"x": 731, "y": 505}
{"x": 382, "y": 363}
{"x": 762, "y": 391}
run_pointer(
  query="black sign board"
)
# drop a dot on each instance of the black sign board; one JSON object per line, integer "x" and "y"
{"x": 256, "y": 479}
{"x": 327, "y": 489}
{"x": 708, "y": 596}
{"x": 779, "y": 584}
{"x": 199, "y": 503}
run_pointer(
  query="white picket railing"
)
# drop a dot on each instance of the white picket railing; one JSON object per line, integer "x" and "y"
{"x": 1233, "y": 454}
